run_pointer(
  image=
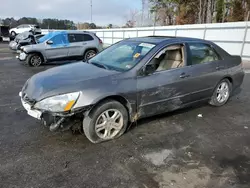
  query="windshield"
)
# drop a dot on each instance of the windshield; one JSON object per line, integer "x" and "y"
{"x": 45, "y": 37}
{"x": 123, "y": 55}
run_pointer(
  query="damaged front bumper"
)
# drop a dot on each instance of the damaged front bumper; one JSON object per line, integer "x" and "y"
{"x": 55, "y": 121}
{"x": 22, "y": 56}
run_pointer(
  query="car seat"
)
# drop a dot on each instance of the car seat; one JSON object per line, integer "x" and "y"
{"x": 173, "y": 59}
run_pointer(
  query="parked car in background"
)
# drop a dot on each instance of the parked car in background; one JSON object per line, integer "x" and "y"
{"x": 135, "y": 78}
{"x": 23, "y": 39}
{"x": 4, "y": 33}
{"x": 35, "y": 29}
{"x": 61, "y": 45}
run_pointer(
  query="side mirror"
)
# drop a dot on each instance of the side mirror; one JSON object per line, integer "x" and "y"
{"x": 147, "y": 69}
{"x": 49, "y": 42}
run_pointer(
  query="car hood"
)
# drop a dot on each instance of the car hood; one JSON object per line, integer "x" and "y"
{"x": 30, "y": 47}
{"x": 64, "y": 79}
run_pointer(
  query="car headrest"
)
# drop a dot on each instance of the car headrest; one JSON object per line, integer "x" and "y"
{"x": 174, "y": 55}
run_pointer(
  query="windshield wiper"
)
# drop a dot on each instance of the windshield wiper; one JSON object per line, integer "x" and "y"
{"x": 99, "y": 65}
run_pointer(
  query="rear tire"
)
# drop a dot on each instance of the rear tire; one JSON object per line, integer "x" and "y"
{"x": 88, "y": 54}
{"x": 34, "y": 60}
{"x": 104, "y": 113}
{"x": 221, "y": 93}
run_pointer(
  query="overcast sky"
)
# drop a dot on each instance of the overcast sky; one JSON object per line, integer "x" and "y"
{"x": 104, "y": 11}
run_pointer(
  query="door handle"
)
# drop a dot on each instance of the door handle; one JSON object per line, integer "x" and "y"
{"x": 184, "y": 75}
{"x": 84, "y": 43}
{"x": 219, "y": 67}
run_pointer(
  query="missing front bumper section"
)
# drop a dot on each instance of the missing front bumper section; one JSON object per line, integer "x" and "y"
{"x": 64, "y": 121}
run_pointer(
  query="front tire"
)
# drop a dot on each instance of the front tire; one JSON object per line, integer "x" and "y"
{"x": 221, "y": 93}
{"x": 34, "y": 60}
{"x": 106, "y": 121}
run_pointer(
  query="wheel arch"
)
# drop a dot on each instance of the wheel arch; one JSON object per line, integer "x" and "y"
{"x": 37, "y": 52}
{"x": 90, "y": 48}
{"x": 228, "y": 77}
{"x": 119, "y": 99}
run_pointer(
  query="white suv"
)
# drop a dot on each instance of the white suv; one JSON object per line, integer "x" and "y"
{"x": 25, "y": 27}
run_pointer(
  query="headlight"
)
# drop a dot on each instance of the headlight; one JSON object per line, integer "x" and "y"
{"x": 60, "y": 103}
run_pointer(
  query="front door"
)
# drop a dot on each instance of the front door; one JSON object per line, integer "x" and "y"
{"x": 59, "y": 49}
{"x": 168, "y": 87}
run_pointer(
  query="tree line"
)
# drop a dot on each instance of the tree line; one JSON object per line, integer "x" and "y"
{"x": 158, "y": 12}
{"x": 171, "y": 12}
{"x": 49, "y": 23}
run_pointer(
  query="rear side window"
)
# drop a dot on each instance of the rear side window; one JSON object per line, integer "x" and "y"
{"x": 71, "y": 38}
{"x": 202, "y": 53}
{"x": 79, "y": 38}
{"x": 88, "y": 37}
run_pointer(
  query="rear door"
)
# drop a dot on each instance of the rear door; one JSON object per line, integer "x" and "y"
{"x": 205, "y": 69}
{"x": 79, "y": 42}
{"x": 59, "y": 49}
{"x": 75, "y": 44}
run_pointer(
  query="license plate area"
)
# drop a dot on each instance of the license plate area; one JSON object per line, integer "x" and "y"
{"x": 34, "y": 113}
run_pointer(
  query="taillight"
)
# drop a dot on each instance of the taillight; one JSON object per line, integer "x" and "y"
{"x": 100, "y": 41}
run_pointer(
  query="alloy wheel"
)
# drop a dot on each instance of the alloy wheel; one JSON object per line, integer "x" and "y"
{"x": 90, "y": 54}
{"x": 36, "y": 61}
{"x": 109, "y": 124}
{"x": 222, "y": 94}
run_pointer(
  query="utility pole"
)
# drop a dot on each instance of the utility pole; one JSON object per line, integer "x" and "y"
{"x": 91, "y": 11}
{"x": 142, "y": 11}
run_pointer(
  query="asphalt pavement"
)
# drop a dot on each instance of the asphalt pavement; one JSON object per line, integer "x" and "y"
{"x": 198, "y": 147}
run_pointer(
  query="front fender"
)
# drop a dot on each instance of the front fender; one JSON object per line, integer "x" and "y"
{"x": 92, "y": 100}
{"x": 30, "y": 49}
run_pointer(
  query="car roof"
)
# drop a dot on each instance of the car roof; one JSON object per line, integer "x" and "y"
{"x": 159, "y": 39}
{"x": 78, "y": 32}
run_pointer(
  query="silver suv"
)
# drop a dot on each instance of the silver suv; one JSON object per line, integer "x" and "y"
{"x": 61, "y": 45}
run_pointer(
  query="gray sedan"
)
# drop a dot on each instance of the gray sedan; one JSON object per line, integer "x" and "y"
{"x": 132, "y": 79}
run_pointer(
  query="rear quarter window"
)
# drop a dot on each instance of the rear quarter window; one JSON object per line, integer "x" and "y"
{"x": 202, "y": 53}
{"x": 88, "y": 37}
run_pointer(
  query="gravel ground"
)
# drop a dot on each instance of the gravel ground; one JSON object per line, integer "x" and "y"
{"x": 177, "y": 149}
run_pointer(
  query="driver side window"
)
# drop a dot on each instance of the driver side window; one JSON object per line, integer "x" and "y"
{"x": 171, "y": 57}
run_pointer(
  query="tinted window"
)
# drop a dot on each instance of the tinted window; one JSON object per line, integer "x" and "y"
{"x": 202, "y": 53}
{"x": 71, "y": 38}
{"x": 87, "y": 37}
{"x": 79, "y": 37}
